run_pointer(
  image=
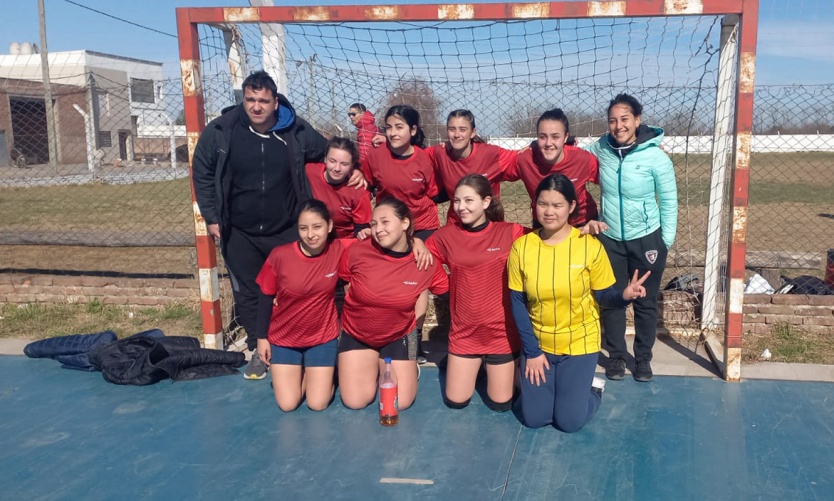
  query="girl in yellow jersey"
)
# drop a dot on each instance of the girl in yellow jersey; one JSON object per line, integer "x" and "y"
{"x": 557, "y": 279}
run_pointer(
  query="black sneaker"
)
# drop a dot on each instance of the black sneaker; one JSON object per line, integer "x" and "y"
{"x": 421, "y": 357}
{"x": 255, "y": 369}
{"x": 616, "y": 369}
{"x": 643, "y": 372}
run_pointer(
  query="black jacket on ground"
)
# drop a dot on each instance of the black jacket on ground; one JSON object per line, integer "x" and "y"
{"x": 142, "y": 360}
{"x": 73, "y": 351}
{"x": 211, "y": 173}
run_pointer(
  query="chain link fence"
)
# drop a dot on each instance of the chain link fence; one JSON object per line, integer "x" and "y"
{"x": 115, "y": 196}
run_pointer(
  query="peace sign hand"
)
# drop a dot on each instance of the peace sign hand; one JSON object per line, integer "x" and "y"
{"x": 634, "y": 289}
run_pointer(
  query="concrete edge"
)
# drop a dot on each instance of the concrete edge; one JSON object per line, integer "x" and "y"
{"x": 778, "y": 371}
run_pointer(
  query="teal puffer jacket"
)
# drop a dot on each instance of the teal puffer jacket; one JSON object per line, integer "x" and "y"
{"x": 633, "y": 181}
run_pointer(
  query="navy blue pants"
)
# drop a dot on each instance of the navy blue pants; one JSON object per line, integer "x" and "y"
{"x": 565, "y": 399}
{"x": 642, "y": 254}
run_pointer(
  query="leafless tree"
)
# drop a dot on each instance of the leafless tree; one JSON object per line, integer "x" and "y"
{"x": 419, "y": 95}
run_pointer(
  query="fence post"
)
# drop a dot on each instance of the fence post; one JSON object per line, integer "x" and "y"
{"x": 90, "y": 137}
{"x": 173, "y": 143}
{"x": 273, "y": 39}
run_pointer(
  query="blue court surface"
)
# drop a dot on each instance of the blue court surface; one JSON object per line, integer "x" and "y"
{"x": 71, "y": 435}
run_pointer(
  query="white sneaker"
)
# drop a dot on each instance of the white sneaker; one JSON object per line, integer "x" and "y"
{"x": 598, "y": 386}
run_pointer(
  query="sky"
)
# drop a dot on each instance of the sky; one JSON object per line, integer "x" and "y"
{"x": 795, "y": 44}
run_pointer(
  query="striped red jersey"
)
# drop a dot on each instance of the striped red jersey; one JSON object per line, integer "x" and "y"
{"x": 304, "y": 310}
{"x": 578, "y": 165}
{"x": 347, "y": 205}
{"x": 482, "y": 321}
{"x": 379, "y": 306}
{"x": 410, "y": 180}
{"x": 488, "y": 160}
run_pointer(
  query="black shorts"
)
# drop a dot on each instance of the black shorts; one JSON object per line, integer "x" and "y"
{"x": 395, "y": 350}
{"x": 493, "y": 359}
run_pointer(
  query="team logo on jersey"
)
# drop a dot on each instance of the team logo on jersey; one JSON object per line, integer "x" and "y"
{"x": 417, "y": 179}
{"x": 407, "y": 282}
{"x": 330, "y": 275}
{"x": 493, "y": 249}
{"x": 651, "y": 256}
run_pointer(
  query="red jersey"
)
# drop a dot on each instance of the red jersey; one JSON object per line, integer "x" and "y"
{"x": 578, "y": 165}
{"x": 366, "y": 129}
{"x": 489, "y": 160}
{"x": 379, "y": 306}
{"x": 304, "y": 310}
{"x": 409, "y": 180}
{"x": 482, "y": 320}
{"x": 347, "y": 205}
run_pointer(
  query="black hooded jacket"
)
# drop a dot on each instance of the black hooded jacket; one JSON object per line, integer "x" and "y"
{"x": 211, "y": 171}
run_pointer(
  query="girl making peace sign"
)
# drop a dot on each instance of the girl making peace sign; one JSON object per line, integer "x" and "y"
{"x": 557, "y": 279}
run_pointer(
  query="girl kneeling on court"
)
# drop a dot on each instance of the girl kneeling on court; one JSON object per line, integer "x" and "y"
{"x": 475, "y": 248}
{"x": 297, "y": 323}
{"x": 384, "y": 285}
{"x": 557, "y": 279}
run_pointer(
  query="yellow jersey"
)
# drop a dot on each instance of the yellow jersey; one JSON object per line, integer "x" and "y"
{"x": 559, "y": 281}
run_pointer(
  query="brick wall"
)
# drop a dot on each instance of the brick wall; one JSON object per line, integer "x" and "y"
{"x": 16, "y": 288}
{"x": 813, "y": 314}
{"x": 678, "y": 310}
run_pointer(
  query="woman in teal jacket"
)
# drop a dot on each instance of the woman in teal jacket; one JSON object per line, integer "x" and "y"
{"x": 639, "y": 207}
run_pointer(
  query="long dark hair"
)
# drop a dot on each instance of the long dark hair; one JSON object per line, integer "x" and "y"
{"x": 411, "y": 117}
{"x": 560, "y": 183}
{"x": 402, "y": 212}
{"x": 495, "y": 210}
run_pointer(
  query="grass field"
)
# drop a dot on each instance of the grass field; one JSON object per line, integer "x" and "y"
{"x": 791, "y": 209}
{"x": 789, "y": 344}
{"x": 36, "y": 321}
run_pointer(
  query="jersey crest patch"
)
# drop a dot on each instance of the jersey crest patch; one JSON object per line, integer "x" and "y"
{"x": 651, "y": 256}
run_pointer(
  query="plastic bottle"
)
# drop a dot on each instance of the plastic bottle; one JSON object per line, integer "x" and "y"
{"x": 388, "y": 401}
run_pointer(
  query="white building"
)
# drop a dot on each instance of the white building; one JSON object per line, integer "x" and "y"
{"x": 123, "y": 93}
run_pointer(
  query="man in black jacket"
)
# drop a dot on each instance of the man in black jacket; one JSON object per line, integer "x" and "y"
{"x": 249, "y": 179}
